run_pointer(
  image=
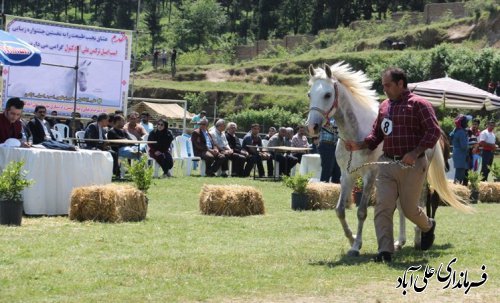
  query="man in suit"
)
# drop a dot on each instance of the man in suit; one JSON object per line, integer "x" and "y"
{"x": 40, "y": 130}
{"x": 97, "y": 130}
{"x": 204, "y": 147}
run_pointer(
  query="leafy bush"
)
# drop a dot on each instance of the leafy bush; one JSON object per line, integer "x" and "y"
{"x": 194, "y": 57}
{"x": 141, "y": 172}
{"x": 297, "y": 183}
{"x": 196, "y": 101}
{"x": 474, "y": 177}
{"x": 275, "y": 116}
{"x": 13, "y": 181}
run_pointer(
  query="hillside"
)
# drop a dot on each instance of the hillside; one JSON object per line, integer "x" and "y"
{"x": 280, "y": 77}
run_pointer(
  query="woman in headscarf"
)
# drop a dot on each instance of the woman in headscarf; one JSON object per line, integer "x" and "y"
{"x": 160, "y": 151}
{"x": 460, "y": 144}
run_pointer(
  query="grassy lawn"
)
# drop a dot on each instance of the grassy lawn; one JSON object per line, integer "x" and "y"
{"x": 177, "y": 254}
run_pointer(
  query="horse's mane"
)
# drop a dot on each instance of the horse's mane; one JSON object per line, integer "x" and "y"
{"x": 356, "y": 82}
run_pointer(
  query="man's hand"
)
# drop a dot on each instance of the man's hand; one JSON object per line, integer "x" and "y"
{"x": 157, "y": 153}
{"x": 410, "y": 158}
{"x": 353, "y": 145}
{"x": 25, "y": 144}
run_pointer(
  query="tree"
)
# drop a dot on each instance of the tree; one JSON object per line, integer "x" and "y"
{"x": 152, "y": 20}
{"x": 200, "y": 23}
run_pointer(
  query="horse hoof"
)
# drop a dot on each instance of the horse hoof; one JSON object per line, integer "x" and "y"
{"x": 353, "y": 253}
{"x": 417, "y": 246}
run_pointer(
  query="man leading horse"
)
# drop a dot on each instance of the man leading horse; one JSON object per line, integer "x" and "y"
{"x": 409, "y": 127}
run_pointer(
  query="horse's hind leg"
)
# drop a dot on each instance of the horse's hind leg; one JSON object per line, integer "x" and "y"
{"x": 340, "y": 210}
{"x": 401, "y": 241}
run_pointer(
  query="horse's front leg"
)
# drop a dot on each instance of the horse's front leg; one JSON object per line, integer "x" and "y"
{"x": 346, "y": 187}
{"x": 368, "y": 181}
{"x": 401, "y": 241}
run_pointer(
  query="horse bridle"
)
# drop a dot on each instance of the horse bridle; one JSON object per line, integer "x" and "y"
{"x": 335, "y": 104}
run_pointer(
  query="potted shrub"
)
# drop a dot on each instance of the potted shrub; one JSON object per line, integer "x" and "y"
{"x": 141, "y": 173}
{"x": 357, "y": 191}
{"x": 12, "y": 182}
{"x": 474, "y": 178}
{"x": 298, "y": 184}
{"x": 495, "y": 170}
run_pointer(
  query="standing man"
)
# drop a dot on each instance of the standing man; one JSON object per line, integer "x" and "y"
{"x": 10, "y": 121}
{"x": 173, "y": 58}
{"x": 196, "y": 119}
{"x": 487, "y": 140}
{"x": 328, "y": 137}
{"x": 407, "y": 125}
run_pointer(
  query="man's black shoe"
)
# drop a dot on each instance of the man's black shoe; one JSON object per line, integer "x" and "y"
{"x": 384, "y": 256}
{"x": 428, "y": 237}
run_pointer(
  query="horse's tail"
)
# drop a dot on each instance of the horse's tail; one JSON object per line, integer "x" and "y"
{"x": 437, "y": 179}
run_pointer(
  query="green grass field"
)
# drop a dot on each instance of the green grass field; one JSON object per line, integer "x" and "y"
{"x": 180, "y": 255}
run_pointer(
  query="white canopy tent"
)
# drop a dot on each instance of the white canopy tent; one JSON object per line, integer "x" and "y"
{"x": 455, "y": 94}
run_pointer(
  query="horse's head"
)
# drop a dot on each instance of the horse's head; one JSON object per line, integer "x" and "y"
{"x": 323, "y": 96}
{"x": 83, "y": 72}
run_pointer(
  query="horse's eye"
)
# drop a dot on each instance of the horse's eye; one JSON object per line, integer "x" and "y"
{"x": 309, "y": 95}
{"x": 328, "y": 95}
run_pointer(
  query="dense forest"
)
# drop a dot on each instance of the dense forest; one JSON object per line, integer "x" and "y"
{"x": 191, "y": 24}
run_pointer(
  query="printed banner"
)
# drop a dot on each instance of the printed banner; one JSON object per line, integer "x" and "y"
{"x": 103, "y": 68}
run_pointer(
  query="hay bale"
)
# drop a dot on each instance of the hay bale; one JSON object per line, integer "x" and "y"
{"x": 231, "y": 200}
{"x": 461, "y": 191}
{"x": 489, "y": 192}
{"x": 322, "y": 195}
{"x": 108, "y": 203}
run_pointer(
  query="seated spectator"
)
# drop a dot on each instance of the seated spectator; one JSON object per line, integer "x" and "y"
{"x": 117, "y": 132}
{"x": 40, "y": 130}
{"x": 134, "y": 128}
{"x": 235, "y": 145}
{"x": 53, "y": 120}
{"x": 98, "y": 130}
{"x": 204, "y": 147}
{"x": 250, "y": 141}
{"x": 299, "y": 140}
{"x": 286, "y": 161}
{"x": 314, "y": 145}
{"x": 289, "y": 136}
{"x": 10, "y": 121}
{"x": 222, "y": 143}
{"x": 148, "y": 126}
{"x": 94, "y": 119}
{"x": 110, "y": 121}
{"x": 160, "y": 151}
{"x": 270, "y": 133}
{"x": 78, "y": 123}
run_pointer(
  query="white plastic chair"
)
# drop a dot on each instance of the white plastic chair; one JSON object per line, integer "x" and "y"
{"x": 63, "y": 130}
{"x": 80, "y": 135}
{"x": 186, "y": 154}
{"x": 56, "y": 135}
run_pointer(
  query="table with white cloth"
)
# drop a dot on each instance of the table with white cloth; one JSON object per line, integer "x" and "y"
{"x": 56, "y": 173}
{"x": 311, "y": 164}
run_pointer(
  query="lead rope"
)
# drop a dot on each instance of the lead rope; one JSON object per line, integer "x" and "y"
{"x": 398, "y": 162}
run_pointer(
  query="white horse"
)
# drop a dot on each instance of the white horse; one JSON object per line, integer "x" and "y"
{"x": 346, "y": 96}
{"x": 59, "y": 82}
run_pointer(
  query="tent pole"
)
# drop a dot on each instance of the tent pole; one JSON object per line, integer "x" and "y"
{"x": 73, "y": 118}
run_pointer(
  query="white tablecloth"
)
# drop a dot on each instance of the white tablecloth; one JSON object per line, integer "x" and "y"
{"x": 311, "y": 163}
{"x": 56, "y": 173}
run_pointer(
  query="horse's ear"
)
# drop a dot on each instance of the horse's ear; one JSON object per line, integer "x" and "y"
{"x": 89, "y": 63}
{"x": 83, "y": 62}
{"x": 311, "y": 70}
{"x": 328, "y": 71}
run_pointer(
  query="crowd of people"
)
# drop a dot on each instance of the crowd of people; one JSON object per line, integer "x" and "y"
{"x": 472, "y": 149}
